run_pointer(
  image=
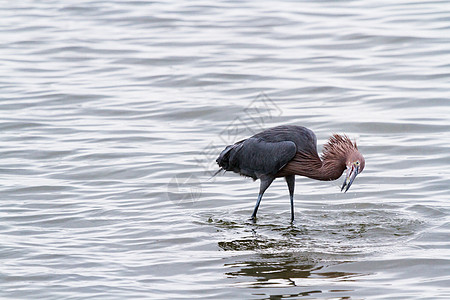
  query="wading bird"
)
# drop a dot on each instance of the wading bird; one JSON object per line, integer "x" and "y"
{"x": 286, "y": 151}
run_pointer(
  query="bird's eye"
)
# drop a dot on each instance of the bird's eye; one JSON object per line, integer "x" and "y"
{"x": 357, "y": 163}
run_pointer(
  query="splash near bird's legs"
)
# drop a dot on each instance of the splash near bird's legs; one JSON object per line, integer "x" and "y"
{"x": 291, "y": 185}
{"x": 265, "y": 183}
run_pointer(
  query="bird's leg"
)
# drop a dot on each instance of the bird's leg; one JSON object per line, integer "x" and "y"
{"x": 265, "y": 183}
{"x": 290, "y": 179}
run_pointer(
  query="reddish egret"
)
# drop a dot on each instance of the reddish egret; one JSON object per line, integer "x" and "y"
{"x": 286, "y": 151}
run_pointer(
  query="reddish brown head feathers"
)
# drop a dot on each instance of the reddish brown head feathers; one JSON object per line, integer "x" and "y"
{"x": 341, "y": 148}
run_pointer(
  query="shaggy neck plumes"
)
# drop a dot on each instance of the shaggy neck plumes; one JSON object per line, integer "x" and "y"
{"x": 330, "y": 167}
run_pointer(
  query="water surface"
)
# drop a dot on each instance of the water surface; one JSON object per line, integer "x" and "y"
{"x": 112, "y": 114}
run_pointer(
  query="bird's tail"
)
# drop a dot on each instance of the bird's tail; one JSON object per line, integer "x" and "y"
{"x": 225, "y": 159}
{"x": 218, "y": 171}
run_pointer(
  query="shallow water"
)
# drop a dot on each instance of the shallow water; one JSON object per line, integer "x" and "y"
{"x": 113, "y": 113}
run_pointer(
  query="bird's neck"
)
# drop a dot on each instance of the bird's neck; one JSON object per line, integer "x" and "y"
{"x": 308, "y": 165}
{"x": 331, "y": 169}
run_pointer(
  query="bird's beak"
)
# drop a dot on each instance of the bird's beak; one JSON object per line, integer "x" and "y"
{"x": 351, "y": 175}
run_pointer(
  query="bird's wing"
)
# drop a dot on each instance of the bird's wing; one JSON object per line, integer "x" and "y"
{"x": 256, "y": 157}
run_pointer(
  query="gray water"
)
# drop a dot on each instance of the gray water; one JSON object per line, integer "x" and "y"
{"x": 113, "y": 113}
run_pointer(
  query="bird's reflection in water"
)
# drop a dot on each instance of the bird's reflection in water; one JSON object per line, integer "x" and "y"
{"x": 277, "y": 256}
{"x": 282, "y": 269}
{"x": 312, "y": 254}
{"x": 274, "y": 268}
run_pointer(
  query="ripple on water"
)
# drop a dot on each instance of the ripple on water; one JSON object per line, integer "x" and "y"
{"x": 353, "y": 233}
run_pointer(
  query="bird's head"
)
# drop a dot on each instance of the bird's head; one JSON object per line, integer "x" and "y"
{"x": 342, "y": 149}
{"x": 355, "y": 164}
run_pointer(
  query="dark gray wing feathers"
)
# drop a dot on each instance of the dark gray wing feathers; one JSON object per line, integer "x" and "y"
{"x": 255, "y": 157}
{"x": 267, "y": 152}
